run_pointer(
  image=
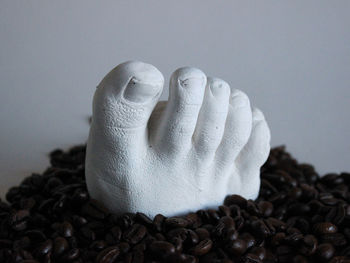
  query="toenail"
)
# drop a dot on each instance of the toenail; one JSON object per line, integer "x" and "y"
{"x": 219, "y": 88}
{"x": 138, "y": 91}
{"x": 193, "y": 81}
{"x": 239, "y": 99}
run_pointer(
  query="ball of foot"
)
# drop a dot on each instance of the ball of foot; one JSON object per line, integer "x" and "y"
{"x": 174, "y": 156}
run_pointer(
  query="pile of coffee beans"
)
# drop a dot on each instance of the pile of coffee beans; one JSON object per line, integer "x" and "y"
{"x": 298, "y": 217}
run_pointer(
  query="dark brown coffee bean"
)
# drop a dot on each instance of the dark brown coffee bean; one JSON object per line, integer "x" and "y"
{"x": 266, "y": 208}
{"x": 224, "y": 210}
{"x": 18, "y": 220}
{"x": 44, "y": 248}
{"x": 98, "y": 245}
{"x": 95, "y": 209}
{"x": 202, "y": 247}
{"x": 143, "y": 219}
{"x": 336, "y": 239}
{"x": 309, "y": 245}
{"x": 66, "y": 229}
{"x": 237, "y": 247}
{"x": 235, "y": 200}
{"x": 325, "y": 251}
{"x": 124, "y": 247}
{"x": 325, "y": 228}
{"x": 260, "y": 228}
{"x": 175, "y": 222}
{"x": 36, "y": 236}
{"x": 108, "y": 255}
{"x": 162, "y": 248}
{"x": 60, "y": 245}
{"x": 135, "y": 233}
{"x": 192, "y": 237}
{"x": 248, "y": 238}
{"x": 158, "y": 222}
{"x": 193, "y": 220}
{"x": 259, "y": 251}
{"x": 71, "y": 255}
{"x": 202, "y": 233}
{"x": 251, "y": 258}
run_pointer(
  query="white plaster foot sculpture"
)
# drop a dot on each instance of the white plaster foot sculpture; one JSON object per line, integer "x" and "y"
{"x": 175, "y": 156}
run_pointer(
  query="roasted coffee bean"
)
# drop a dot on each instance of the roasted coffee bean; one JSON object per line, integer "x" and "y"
{"x": 266, "y": 208}
{"x": 325, "y": 251}
{"x": 309, "y": 245}
{"x": 108, "y": 255}
{"x": 260, "y": 252}
{"x": 175, "y": 222}
{"x": 98, "y": 245}
{"x": 158, "y": 221}
{"x": 95, "y": 210}
{"x": 235, "y": 200}
{"x": 71, "y": 255}
{"x": 135, "y": 233}
{"x": 325, "y": 228}
{"x": 60, "y": 245}
{"x": 44, "y": 248}
{"x": 202, "y": 233}
{"x": 336, "y": 239}
{"x": 248, "y": 238}
{"x": 202, "y": 247}
{"x": 251, "y": 258}
{"x": 162, "y": 248}
{"x": 66, "y": 229}
{"x": 237, "y": 247}
{"x": 143, "y": 219}
{"x": 18, "y": 220}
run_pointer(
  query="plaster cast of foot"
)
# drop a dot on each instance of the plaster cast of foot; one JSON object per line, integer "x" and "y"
{"x": 175, "y": 156}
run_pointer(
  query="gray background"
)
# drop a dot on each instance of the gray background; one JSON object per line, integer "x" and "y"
{"x": 292, "y": 58}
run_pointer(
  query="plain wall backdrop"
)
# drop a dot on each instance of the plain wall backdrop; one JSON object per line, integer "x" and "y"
{"x": 292, "y": 58}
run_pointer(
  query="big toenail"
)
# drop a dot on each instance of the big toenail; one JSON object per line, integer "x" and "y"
{"x": 188, "y": 82}
{"x": 138, "y": 91}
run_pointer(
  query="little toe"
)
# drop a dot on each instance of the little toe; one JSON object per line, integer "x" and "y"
{"x": 180, "y": 116}
{"x": 211, "y": 120}
{"x": 237, "y": 129}
{"x": 254, "y": 154}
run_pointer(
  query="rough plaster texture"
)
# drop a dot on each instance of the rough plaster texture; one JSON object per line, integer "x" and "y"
{"x": 174, "y": 156}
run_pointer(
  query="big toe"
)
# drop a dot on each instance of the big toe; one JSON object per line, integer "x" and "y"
{"x": 127, "y": 95}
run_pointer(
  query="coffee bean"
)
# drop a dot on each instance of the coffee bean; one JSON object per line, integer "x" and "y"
{"x": 18, "y": 220}
{"x": 202, "y": 247}
{"x": 135, "y": 233}
{"x": 108, "y": 255}
{"x": 336, "y": 239}
{"x": 235, "y": 200}
{"x": 266, "y": 208}
{"x": 158, "y": 221}
{"x": 44, "y": 248}
{"x": 174, "y": 222}
{"x": 309, "y": 245}
{"x": 66, "y": 229}
{"x": 60, "y": 245}
{"x": 162, "y": 248}
{"x": 325, "y": 251}
{"x": 325, "y": 228}
{"x": 202, "y": 233}
{"x": 237, "y": 247}
{"x": 260, "y": 252}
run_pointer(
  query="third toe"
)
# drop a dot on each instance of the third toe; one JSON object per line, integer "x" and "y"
{"x": 212, "y": 117}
